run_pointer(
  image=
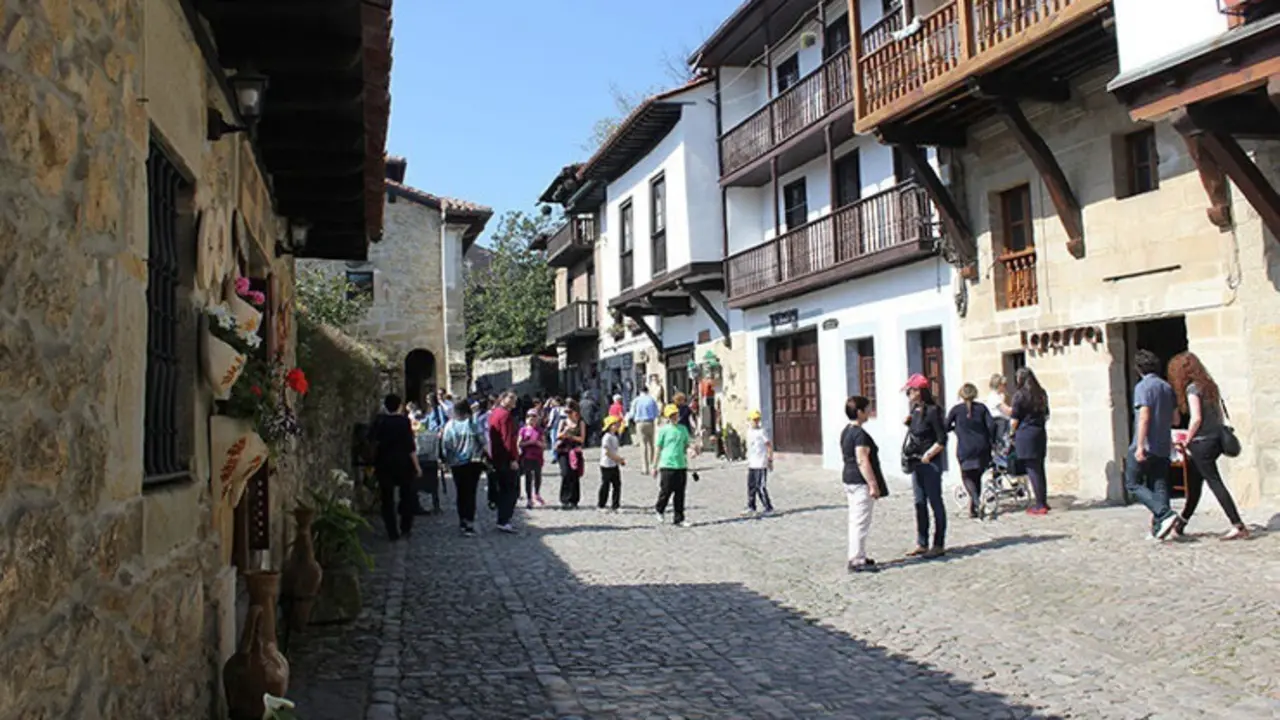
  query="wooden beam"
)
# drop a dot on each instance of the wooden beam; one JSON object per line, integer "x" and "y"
{"x": 1014, "y": 87}
{"x": 712, "y": 313}
{"x": 953, "y": 221}
{"x": 951, "y": 137}
{"x": 855, "y": 47}
{"x": 1064, "y": 200}
{"x": 1213, "y": 180}
{"x": 1248, "y": 115}
{"x": 648, "y": 331}
{"x": 1233, "y": 160}
{"x": 674, "y": 305}
{"x": 1216, "y": 80}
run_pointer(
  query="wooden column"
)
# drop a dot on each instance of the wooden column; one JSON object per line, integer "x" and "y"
{"x": 964, "y": 21}
{"x": 777, "y": 217}
{"x": 953, "y": 222}
{"x": 855, "y": 47}
{"x": 1064, "y": 200}
{"x": 831, "y": 165}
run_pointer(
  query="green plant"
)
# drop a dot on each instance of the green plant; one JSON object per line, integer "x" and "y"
{"x": 336, "y": 532}
{"x": 278, "y": 708}
{"x": 330, "y": 299}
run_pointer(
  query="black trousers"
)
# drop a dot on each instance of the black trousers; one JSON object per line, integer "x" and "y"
{"x": 610, "y": 480}
{"x": 532, "y": 470}
{"x": 1039, "y": 482}
{"x": 758, "y": 488}
{"x": 491, "y": 487}
{"x": 390, "y": 482}
{"x": 508, "y": 483}
{"x": 671, "y": 488}
{"x": 973, "y": 486}
{"x": 570, "y": 483}
{"x": 1204, "y": 468}
{"x": 466, "y": 479}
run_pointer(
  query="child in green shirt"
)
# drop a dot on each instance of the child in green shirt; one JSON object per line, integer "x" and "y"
{"x": 673, "y": 466}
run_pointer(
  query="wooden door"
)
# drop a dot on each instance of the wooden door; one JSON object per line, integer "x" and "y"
{"x": 678, "y": 374}
{"x": 797, "y": 417}
{"x": 931, "y": 350}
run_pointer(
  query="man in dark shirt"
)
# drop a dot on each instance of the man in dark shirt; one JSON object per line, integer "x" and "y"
{"x": 505, "y": 451}
{"x": 396, "y": 466}
{"x": 590, "y": 416}
{"x": 1146, "y": 469}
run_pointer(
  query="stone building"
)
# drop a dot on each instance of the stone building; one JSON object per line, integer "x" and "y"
{"x": 416, "y": 277}
{"x": 130, "y": 195}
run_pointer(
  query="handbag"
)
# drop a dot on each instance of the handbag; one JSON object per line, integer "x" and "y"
{"x": 910, "y": 454}
{"x": 1228, "y": 441}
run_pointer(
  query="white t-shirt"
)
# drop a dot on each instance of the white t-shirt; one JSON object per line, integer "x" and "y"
{"x": 994, "y": 401}
{"x": 757, "y": 449}
{"x": 608, "y": 444}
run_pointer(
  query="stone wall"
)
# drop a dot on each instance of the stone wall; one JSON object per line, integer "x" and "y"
{"x": 1147, "y": 256}
{"x": 113, "y": 600}
{"x": 526, "y": 374}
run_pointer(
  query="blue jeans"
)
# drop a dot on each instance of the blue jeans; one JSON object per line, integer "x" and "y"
{"x": 1149, "y": 483}
{"x": 926, "y": 481}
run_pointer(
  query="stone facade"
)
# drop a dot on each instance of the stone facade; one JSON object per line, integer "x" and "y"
{"x": 1149, "y": 256}
{"x": 115, "y": 601}
{"x": 418, "y": 286}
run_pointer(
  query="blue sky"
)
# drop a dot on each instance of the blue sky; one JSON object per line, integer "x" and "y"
{"x": 489, "y": 98}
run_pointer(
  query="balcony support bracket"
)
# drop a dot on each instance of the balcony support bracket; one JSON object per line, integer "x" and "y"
{"x": 710, "y": 310}
{"x": 934, "y": 135}
{"x": 1225, "y": 152}
{"x": 964, "y": 250}
{"x": 641, "y": 323}
{"x": 1214, "y": 182}
{"x": 1064, "y": 200}
{"x": 1012, "y": 87}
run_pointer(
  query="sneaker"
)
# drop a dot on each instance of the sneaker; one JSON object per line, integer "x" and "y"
{"x": 508, "y": 529}
{"x": 767, "y": 512}
{"x": 661, "y": 518}
{"x": 529, "y": 506}
{"x": 538, "y": 499}
{"x": 747, "y": 512}
{"x": 684, "y": 524}
{"x": 1038, "y": 511}
{"x": 917, "y": 551}
{"x": 602, "y": 509}
{"x": 1236, "y": 533}
{"x": 1167, "y": 525}
{"x": 866, "y": 566}
{"x": 935, "y": 552}
{"x": 468, "y": 531}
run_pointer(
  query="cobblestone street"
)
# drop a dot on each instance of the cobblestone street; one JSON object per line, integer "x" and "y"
{"x": 615, "y": 616}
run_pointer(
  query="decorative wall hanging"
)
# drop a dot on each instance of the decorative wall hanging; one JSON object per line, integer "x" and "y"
{"x": 222, "y": 366}
{"x": 213, "y": 248}
{"x": 1059, "y": 339}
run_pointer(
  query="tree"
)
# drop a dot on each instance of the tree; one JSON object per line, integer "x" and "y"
{"x": 677, "y": 73}
{"x": 507, "y": 303}
{"x": 329, "y": 299}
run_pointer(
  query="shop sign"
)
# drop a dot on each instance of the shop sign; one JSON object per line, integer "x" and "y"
{"x": 786, "y": 317}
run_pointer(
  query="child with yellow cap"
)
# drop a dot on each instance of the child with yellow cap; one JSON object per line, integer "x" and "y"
{"x": 673, "y": 465}
{"x": 611, "y": 463}
{"x": 759, "y": 463}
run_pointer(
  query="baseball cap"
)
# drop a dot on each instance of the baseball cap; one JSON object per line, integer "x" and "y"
{"x": 753, "y": 415}
{"x": 916, "y": 381}
{"x": 670, "y": 411}
{"x": 610, "y": 421}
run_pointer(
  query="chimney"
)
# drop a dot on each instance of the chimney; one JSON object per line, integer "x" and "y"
{"x": 396, "y": 167}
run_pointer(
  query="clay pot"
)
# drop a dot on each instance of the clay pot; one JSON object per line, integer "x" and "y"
{"x": 302, "y": 573}
{"x": 268, "y": 669}
{"x": 222, "y": 366}
{"x": 236, "y": 683}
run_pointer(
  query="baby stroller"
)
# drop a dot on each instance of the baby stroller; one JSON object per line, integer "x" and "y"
{"x": 1005, "y": 480}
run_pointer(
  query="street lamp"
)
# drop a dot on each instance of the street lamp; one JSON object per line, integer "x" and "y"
{"x": 297, "y": 238}
{"x": 249, "y": 88}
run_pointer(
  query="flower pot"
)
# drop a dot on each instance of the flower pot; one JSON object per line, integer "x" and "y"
{"x": 237, "y": 452}
{"x": 302, "y": 573}
{"x": 268, "y": 670}
{"x": 248, "y": 318}
{"x": 222, "y": 365}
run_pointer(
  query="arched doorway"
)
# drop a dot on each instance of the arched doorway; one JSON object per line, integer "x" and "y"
{"x": 419, "y": 375}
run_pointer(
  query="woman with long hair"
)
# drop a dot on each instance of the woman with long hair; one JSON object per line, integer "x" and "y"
{"x": 974, "y": 428}
{"x": 573, "y": 435}
{"x": 463, "y": 446}
{"x": 1028, "y": 416}
{"x": 1201, "y": 401}
{"x": 923, "y": 455}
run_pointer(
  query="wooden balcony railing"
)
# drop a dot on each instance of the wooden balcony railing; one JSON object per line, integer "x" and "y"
{"x": 578, "y": 318}
{"x": 574, "y": 239}
{"x": 898, "y": 216}
{"x": 1019, "y": 279}
{"x": 798, "y": 107}
{"x": 881, "y": 31}
{"x": 947, "y": 38}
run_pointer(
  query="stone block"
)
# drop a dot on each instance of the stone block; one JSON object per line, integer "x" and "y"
{"x": 44, "y": 559}
{"x": 172, "y": 516}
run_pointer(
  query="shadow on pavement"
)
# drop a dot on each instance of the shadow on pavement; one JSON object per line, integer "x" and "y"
{"x": 964, "y": 551}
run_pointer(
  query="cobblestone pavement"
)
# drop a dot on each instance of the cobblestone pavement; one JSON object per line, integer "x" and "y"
{"x": 614, "y": 616}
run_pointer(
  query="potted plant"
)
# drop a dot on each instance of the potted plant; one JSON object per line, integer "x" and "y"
{"x": 335, "y": 532}
{"x": 617, "y": 331}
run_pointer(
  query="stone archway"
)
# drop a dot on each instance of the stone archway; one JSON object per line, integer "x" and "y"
{"x": 419, "y": 375}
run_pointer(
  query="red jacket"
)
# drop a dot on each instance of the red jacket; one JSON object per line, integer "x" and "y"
{"x": 504, "y": 445}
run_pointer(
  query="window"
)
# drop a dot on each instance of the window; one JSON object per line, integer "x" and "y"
{"x": 848, "y": 179}
{"x": 788, "y": 73}
{"x": 658, "y": 223}
{"x": 890, "y": 6}
{"x": 860, "y": 359}
{"x": 795, "y": 201}
{"x": 1015, "y": 219}
{"x": 359, "y": 284}
{"x": 836, "y": 38}
{"x": 902, "y": 172}
{"x": 171, "y": 343}
{"x": 626, "y": 245}
{"x": 1142, "y": 165}
{"x": 1011, "y": 363}
{"x": 931, "y": 362}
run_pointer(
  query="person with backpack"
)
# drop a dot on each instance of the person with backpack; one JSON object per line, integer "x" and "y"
{"x": 396, "y": 467}
{"x": 463, "y": 446}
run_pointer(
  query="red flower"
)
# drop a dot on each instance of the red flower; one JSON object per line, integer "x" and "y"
{"x": 297, "y": 381}
{"x": 257, "y": 391}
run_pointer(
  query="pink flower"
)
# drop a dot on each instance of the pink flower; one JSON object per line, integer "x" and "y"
{"x": 242, "y": 286}
{"x": 257, "y": 297}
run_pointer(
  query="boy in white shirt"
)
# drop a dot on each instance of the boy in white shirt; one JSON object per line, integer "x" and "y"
{"x": 759, "y": 463}
{"x": 611, "y": 463}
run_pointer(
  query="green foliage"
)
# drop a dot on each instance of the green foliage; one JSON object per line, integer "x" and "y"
{"x": 507, "y": 304}
{"x": 329, "y": 299}
{"x": 336, "y": 532}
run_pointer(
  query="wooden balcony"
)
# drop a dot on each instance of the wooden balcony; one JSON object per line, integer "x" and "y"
{"x": 881, "y": 32}
{"x": 797, "y": 109}
{"x": 890, "y": 228}
{"x": 578, "y": 319}
{"x": 959, "y": 40}
{"x": 1019, "y": 287}
{"x": 574, "y": 241}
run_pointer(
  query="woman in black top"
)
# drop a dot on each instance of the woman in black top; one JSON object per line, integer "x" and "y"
{"x": 1030, "y": 412}
{"x": 922, "y": 454}
{"x": 396, "y": 466}
{"x": 573, "y": 435}
{"x": 863, "y": 481}
{"x": 975, "y": 430}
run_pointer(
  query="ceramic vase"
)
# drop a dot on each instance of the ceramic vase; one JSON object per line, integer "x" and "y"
{"x": 237, "y": 453}
{"x": 268, "y": 669}
{"x": 248, "y": 318}
{"x": 222, "y": 365}
{"x": 302, "y": 572}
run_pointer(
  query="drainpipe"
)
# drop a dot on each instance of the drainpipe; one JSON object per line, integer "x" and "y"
{"x": 444, "y": 294}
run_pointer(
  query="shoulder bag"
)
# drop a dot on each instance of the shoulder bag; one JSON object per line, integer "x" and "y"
{"x": 1227, "y": 439}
